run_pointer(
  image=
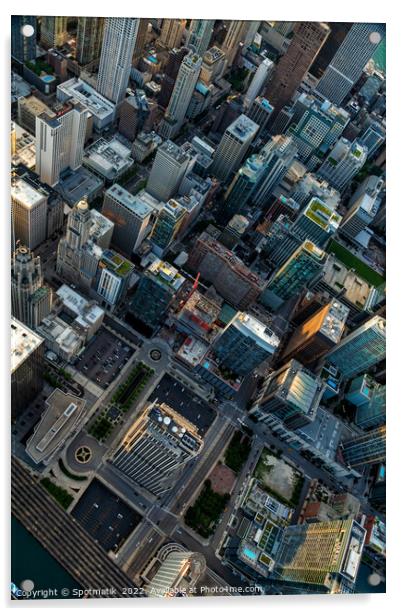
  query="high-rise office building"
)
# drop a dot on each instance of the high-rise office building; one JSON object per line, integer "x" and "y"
{"x": 361, "y": 349}
{"x": 342, "y": 163}
{"x": 245, "y": 344}
{"x": 31, "y": 299}
{"x": 233, "y": 147}
{"x": 134, "y": 112}
{"x": 53, "y": 31}
{"x": 260, "y": 112}
{"x": 235, "y": 282}
{"x": 157, "y": 447}
{"x": 27, "y": 350}
{"x": 119, "y": 39}
{"x": 60, "y": 141}
{"x": 373, "y": 137}
{"x": 236, "y": 33}
{"x": 277, "y": 156}
{"x": 324, "y": 555}
{"x": 78, "y": 254}
{"x": 29, "y": 207}
{"x": 200, "y": 33}
{"x": 258, "y": 81}
{"x": 337, "y": 35}
{"x": 167, "y": 226}
{"x": 168, "y": 169}
{"x": 299, "y": 271}
{"x": 363, "y": 207}
{"x": 308, "y": 38}
{"x": 23, "y": 47}
{"x": 183, "y": 89}
{"x": 172, "y": 32}
{"x": 292, "y": 394}
{"x": 320, "y": 125}
{"x": 369, "y": 398}
{"x": 367, "y": 448}
{"x": 318, "y": 334}
{"x": 155, "y": 291}
{"x": 317, "y": 222}
{"x": 175, "y": 58}
{"x": 178, "y": 570}
{"x": 131, "y": 218}
{"x": 28, "y": 109}
{"x": 349, "y": 61}
{"x": 113, "y": 278}
{"x": 89, "y": 39}
{"x": 140, "y": 40}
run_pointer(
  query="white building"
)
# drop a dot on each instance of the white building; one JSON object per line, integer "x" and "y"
{"x": 233, "y": 146}
{"x": 169, "y": 167}
{"x": 60, "y": 142}
{"x": 342, "y": 163}
{"x": 182, "y": 92}
{"x": 29, "y": 213}
{"x": 259, "y": 80}
{"x": 130, "y": 215}
{"x": 101, "y": 109}
{"x": 119, "y": 37}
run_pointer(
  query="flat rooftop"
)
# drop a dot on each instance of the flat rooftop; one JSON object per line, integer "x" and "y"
{"x": 253, "y": 328}
{"x": 243, "y": 128}
{"x": 192, "y": 351}
{"x": 62, "y": 413}
{"x": 323, "y": 433}
{"x": 97, "y": 104}
{"x": 134, "y": 203}
{"x": 25, "y": 193}
{"x": 74, "y": 185}
{"x": 24, "y": 341}
{"x": 338, "y": 276}
{"x": 166, "y": 273}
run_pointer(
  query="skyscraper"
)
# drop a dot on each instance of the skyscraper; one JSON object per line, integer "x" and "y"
{"x": 89, "y": 39}
{"x": 140, "y": 40}
{"x": 167, "y": 226}
{"x": 342, "y": 163}
{"x": 235, "y": 35}
{"x": 322, "y": 554}
{"x": 361, "y": 349}
{"x": 173, "y": 64}
{"x": 258, "y": 81}
{"x": 23, "y": 47}
{"x": 292, "y": 394}
{"x": 318, "y": 334}
{"x": 53, "y": 32}
{"x": 29, "y": 208}
{"x": 31, "y": 299}
{"x": 155, "y": 291}
{"x": 233, "y": 147}
{"x": 172, "y": 32}
{"x": 131, "y": 218}
{"x": 277, "y": 156}
{"x": 200, "y": 34}
{"x": 308, "y": 38}
{"x": 260, "y": 112}
{"x": 363, "y": 207}
{"x": 27, "y": 350}
{"x": 185, "y": 83}
{"x": 119, "y": 39}
{"x": 157, "y": 447}
{"x": 60, "y": 141}
{"x": 299, "y": 270}
{"x": 349, "y": 61}
{"x": 168, "y": 169}
{"x": 244, "y": 344}
{"x": 317, "y": 222}
{"x": 235, "y": 282}
{"x": 367, "y": 448}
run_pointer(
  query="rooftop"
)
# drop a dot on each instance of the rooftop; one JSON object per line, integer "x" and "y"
{"x": 61, "y": 414}
{"x": 322, "y": 215}
{"x": 75, "y": 185}
{"x": 97, "y": 104}
{"x": 252, "y": 328}
{"x": 192, "y": 351}
{"x": 110, "y": 158}
{"x": 25, "y": 193}
{"x": 134, "y": 203}
{"x": 24, "y": 341}
{"x": 166, "y": 274}
{"x": 339, "y": 277}
{"x": 243, "y": 128}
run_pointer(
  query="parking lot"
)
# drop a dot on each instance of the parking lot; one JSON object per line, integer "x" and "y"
{"x": 104, "y": 358}
{"x": 185, "y": 402}
{"x": 105, "y": 516}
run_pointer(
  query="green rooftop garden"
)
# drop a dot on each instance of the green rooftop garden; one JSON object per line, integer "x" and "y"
{"x": 353, "y": 262}
{"x": 40, "y": 66}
